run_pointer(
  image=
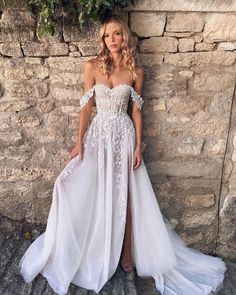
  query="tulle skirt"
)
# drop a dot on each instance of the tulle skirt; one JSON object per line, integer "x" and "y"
{"x": 85, "y": 228}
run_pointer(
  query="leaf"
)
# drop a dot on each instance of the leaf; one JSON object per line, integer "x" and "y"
{"x": 82, "y": 10}
{"x": 81, "y": 19}
{"x": 27, "y": 235}
{"x": 106, "y": 3}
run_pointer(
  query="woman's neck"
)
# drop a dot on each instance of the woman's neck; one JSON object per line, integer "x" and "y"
{"x": 116, "y": 58}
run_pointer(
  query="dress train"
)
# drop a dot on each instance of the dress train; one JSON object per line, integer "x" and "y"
{"x": 83, "y": 239}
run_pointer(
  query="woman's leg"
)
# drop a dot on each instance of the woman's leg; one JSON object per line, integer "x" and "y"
{"x": 126, "y": 260}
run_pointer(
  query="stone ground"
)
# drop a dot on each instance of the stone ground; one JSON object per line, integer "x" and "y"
{"x": 15, "y": 238}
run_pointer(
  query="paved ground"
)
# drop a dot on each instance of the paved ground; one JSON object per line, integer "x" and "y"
{"x": 14, "y": 241}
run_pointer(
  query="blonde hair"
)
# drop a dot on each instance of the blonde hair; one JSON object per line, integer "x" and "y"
{"x": 129, "y": 56}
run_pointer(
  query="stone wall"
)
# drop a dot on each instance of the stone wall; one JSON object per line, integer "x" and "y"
{"x": 189, "y": 134}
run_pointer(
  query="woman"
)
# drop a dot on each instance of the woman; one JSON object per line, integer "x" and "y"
{"x": 105, "y": 185}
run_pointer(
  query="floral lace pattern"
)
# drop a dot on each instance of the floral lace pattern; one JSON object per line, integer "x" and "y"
{"x": 70, "y": 166}
{"x": 137, "y": 98}
{"x": 134, "y": 95}
{"x": 112, "y": 131}
{"x": 85, "y": 98}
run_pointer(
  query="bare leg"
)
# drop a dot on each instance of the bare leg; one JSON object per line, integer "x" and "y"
{"x": 126, "y": 260}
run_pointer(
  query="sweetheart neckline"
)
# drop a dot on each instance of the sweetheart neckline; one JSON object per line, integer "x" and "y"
{"x": 111, "y": 88}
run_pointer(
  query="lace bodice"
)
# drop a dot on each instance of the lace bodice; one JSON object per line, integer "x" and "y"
{"x": 112, "y": 100}
{"x": 111, "y": 134}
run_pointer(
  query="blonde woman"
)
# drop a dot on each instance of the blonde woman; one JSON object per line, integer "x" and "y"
{"x": 104, "y": 210}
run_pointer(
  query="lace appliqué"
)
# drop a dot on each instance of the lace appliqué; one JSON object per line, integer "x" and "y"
{"x": 70, "y": 166}
{"x": 112, "y": 131}
{"x": 85, "y": 98}
{"x": 137, "y": 98}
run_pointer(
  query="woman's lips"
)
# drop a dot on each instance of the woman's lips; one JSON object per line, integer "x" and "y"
{"x": 113, "y": 46}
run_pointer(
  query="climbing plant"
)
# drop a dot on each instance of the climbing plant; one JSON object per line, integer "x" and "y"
{"x": 83, "y": 11}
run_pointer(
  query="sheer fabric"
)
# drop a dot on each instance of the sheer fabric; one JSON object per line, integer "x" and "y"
{"x": 85, "y": 228}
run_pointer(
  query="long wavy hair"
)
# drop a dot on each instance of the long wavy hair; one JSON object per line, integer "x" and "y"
{"x": 129, "y": 57}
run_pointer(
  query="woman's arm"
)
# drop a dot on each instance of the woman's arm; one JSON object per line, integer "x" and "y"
{"x": 85, "y": 111}
{"x": 136, "y": 117}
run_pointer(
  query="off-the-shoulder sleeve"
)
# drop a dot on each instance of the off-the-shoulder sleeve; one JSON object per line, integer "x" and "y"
{"x": 85, "y": 98}
{"x": 137, "y": 98}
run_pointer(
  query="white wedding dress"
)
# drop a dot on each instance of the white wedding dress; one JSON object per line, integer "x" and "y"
{"x": 85, "y": 228}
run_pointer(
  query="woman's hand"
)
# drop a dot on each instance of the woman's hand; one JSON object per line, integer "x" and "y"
{"x": 137, "y": 158}
{"x": 78, "y": 149}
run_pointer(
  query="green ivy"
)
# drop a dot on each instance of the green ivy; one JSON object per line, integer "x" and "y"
{"x": 84, "y": 11}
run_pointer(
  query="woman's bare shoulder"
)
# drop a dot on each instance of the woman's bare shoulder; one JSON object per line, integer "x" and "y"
{"x": 89, "y": 73}
{"x": 90, "y": 65}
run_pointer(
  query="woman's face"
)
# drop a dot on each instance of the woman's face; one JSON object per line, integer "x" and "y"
{"x": 113, "y": 37}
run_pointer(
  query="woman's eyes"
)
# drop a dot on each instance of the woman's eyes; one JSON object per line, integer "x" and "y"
{"x": 117, "y": 33}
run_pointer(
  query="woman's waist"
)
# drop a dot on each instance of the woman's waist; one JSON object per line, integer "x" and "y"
{"x": 108, "y": 120}
{"x": 112, "y": 113}
{"x": 106, "y": 126}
